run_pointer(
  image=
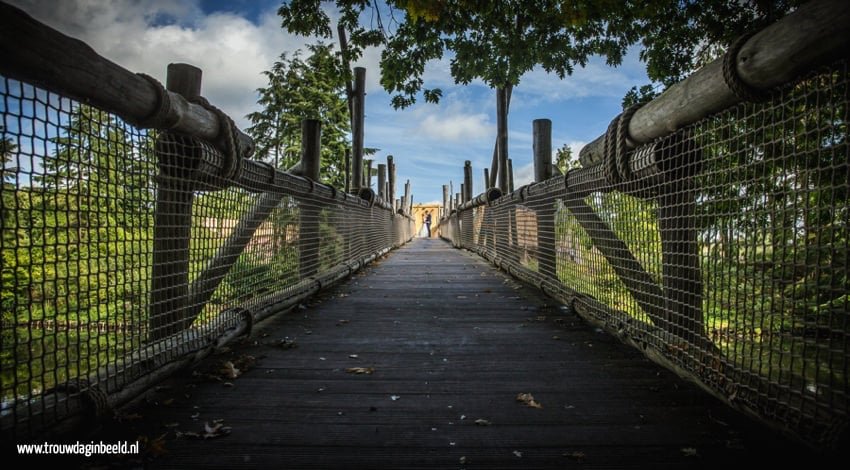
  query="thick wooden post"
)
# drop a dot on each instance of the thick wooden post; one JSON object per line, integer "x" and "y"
{"x": 311, "y": 163}
{"x": 382, "y": 181}
{"x": 357, "y": 130}
{"x": 446, "y": 209}
{"x": 680, "y": 265}
{"x": 348, "y": 170}
{"x": 510, "y": 175}
{"x": 502, "y": 137}
{"x": 542, "y": 129}
{"x": 172, "y": 220}
{"x": 406, "y": 199}
{"x": 391, "y": 182}
{"x": 546, "y": 260}
{"x": 467, "y": 181}
{"x": 367, "y": 180}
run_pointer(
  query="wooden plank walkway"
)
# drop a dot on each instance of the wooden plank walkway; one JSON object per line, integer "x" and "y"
{"x": 452, "y": 341}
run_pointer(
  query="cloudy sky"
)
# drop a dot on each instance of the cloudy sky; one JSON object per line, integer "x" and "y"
{"x": 233, "y": 41}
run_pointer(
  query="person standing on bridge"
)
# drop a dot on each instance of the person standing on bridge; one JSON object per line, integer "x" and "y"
{"x": 426, "y": 219}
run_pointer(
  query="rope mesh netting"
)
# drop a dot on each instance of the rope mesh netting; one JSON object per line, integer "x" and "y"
{"x": 724, "y": 254}
{"x": 122, "y": 252}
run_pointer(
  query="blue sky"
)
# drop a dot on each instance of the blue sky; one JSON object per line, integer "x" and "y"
{"x": 233, "y": 41}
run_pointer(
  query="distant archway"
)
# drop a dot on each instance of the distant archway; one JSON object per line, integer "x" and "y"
{"x": 419, "y": 211}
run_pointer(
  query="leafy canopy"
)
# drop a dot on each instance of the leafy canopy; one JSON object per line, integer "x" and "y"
{"x": 496, "y": 42}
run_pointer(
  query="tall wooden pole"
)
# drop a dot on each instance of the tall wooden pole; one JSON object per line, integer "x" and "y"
{"x": 467, "y": 181}
{"x": 542, "y": 129}
{"x": 542, "y": 137}
{"x": 382, "y": 181}
{"x": 172, "y": 220}
{"x": 391, "y": 181}
{"x": 357, "y": 130}
{"x": 502, "y": 137}
{"x": 311, "y": 163}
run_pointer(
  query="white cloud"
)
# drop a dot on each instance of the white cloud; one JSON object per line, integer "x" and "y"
{"x": 456, "y": 127}
{"x": 231, "y": 50}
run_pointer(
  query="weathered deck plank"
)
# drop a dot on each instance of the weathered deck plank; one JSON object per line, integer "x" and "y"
{"x": 454, "y": 341}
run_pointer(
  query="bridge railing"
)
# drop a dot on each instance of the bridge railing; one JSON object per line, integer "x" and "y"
{"x": 137, "y": 233}
{"x": 721, "y": 250}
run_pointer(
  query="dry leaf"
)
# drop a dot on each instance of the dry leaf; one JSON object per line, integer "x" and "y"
{"x": 244, "y": 362}
{"x": 286, "y": 343}
{"x": 360, "y": 370}
{"x": 353, "y": 356}
{"x": 577, "y": 455}
{"x": 341, "y": 322}
{"x": 528, "y": 399}
{"x": 156, "y": 446}
{"x": 168, "y": 401}
{"x": 394, "y": 397}
{"x": 482, "y": 422}
{"x": 229, "y": 371}
{"x": 518, "y": 454}
{"x": 216, "y": 429}
{"x": 689, "y": 452}
{"x": 462, "y": 460}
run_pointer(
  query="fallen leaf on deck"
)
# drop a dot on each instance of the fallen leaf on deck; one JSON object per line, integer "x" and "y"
{"x": 192, "y": 434}
{"x": 286, "y": 343}
{"x": 229, "y": 371}
{"x": 171, "y": 425}
{"x": 394, "y": 397}
{"x": 482, "y": 422}
{"x": 518, "y": 454}
{"x": 462, "y": 460}
{"x": 228, "y": 384}
{"x": 528, "y": 399}
{"x": 360, "y": 370}
{"x": 154, "y": 447}
{"x": 245, "y": 362}
{"x": 341, "y": 322}
{"x": 577, "y": 455}
{"x": 689, "y": 452}
{"x": 353, "y": 356}
{"x": 216, "y": 429}
{"x": 168, "y": 401}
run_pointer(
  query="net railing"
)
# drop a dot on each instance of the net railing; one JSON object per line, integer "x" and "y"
{"x": 724, "y": 256}
{"x": 125, "y": 255}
